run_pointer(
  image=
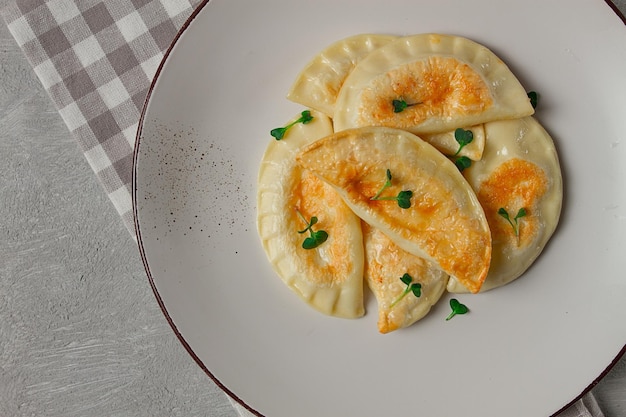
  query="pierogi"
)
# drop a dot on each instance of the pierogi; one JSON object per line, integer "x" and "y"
{"x": 385, "y": 263}
{"x": 377, "y": 171}
{"x": 445, "y": 81}
{"x": 444, "y": 224}
{"x": 519, "y": 170}
{"x": 330, "y": 277}
{"x": 319, "y": 82}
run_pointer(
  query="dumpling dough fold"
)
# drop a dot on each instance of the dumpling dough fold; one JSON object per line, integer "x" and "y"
{"x": 330, "y": 277}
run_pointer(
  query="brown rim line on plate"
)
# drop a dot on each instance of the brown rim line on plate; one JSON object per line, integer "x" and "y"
{"x": 138, "y": 234}
{"x": 143, "y": 255}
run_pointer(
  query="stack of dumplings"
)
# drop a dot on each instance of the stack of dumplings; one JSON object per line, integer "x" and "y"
{"x": 376, "y": 186}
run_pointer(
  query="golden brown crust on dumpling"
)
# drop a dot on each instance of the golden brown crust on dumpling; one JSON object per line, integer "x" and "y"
{"x": 519, "y": 169}
{"x": 385, "y": 263}
{"x": 515, "y": 184}
{"x": 446, "y": 82}
{"x": 329, "y": 278}
{"x": 445, "y": 223}
{"x": 436, "y": 87}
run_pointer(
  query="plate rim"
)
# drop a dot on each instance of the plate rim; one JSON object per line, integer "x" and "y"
{"x": 135, "y": 211}
{"x": 140, "y": 244}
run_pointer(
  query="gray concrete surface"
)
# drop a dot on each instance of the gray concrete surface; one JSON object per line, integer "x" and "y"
{"x": 80, "y": 331}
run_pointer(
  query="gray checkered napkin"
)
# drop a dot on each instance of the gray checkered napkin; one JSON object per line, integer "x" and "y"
{"x": 96, "y": 60}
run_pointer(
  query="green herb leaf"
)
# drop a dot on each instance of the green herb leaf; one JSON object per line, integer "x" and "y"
{"x": 457, "y": 308}
{"x": 406, "y": 279}
{"x": 462, "y": 163}
{"x": 305, "y": 117}
{"x": 279, "y": 132}
{"x": 515, "y": 221}
{"x": 403, "y": 198}
{"x": 534, "y": 98}
{"x": 400, "y": 105}
{"x": 414, "y": 287}
{"x": 316, "y": 238}
{"x": 463, "y": 138}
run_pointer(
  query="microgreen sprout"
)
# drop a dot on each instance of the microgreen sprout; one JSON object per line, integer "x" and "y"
{"x": 515, "y": 221}
{"x": 457, "y": 308}
{"x": 403, "y": 198}
{"x": 462, "y": 162}
{"x": 279, "y": 132}
{"x": 463, "y": 138}
{"x": 414, "y": 287}
{"x": 316, "y": 238}
{"x": 400, "y": 105}
{"x": 385, "y": 185}
{"x": 534, "y": 98}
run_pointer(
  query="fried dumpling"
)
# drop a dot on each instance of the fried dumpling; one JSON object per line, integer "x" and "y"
{"x": 444, "y": 224}
{"x": 330, "y": 276}
{"x": 319, "y": 82}
{"x": 519, "y": 170}
{"x": 385, "y": 264}
{"x": 430, "y": 83}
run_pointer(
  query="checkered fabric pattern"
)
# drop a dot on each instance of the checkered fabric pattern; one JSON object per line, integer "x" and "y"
{"x": 96, "y": 59}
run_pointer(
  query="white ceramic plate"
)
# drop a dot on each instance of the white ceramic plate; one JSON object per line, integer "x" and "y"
{"x": 527, "y": 349}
